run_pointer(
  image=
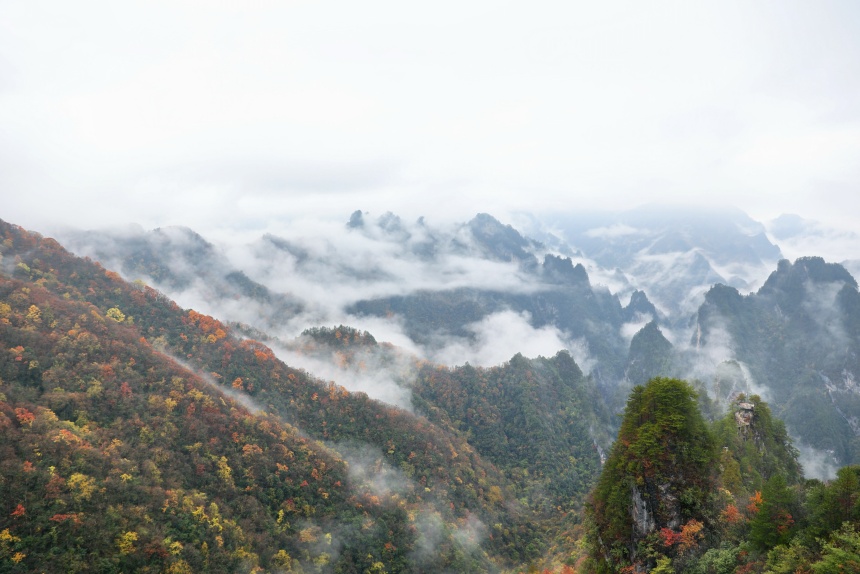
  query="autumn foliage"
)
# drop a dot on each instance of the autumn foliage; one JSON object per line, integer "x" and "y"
{"x": 142, "y": 463}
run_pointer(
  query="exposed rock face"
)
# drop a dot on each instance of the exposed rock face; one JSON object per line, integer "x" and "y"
{"x": 744, "y": 416}
{"x": 670, "y": 505}
{"x": 657, "y": 476}
{"x": 843, "y": 396}
{"x": 643, "y": 518}
{"x": 642, "y": 512}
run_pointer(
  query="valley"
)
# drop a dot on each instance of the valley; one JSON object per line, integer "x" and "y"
{"x": 448, "y": 404}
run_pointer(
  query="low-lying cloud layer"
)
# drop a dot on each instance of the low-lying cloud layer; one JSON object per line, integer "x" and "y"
{"x": 315, "y": 274}
{"x": 386, "y": 380}
{"x": 326, "y": 267}
{"x": 500, "y": 336}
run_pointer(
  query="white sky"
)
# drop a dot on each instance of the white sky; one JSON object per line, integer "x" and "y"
{"x": 218, "y": 114}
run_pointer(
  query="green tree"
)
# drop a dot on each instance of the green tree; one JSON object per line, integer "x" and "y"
{"x": 717, "y": 561}
{"x": 658, "y": 475}
{"x": 841, "y": 554}
{"x": 788, "y": 559}
{"x": 756, "y": 446}
{"x": 773, "y": 524}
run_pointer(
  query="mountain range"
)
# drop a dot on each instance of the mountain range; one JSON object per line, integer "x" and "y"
{"x": 628, "y": 294}
{"x": 450, "y": 389}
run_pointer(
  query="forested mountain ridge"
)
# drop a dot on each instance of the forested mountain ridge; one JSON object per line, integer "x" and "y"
{"x": 115, "y": 457}
{"x": 486, "y": 466}
{"x": 798, "y": 337}
{"x": 440, "y": 284}
{"x": 680, "y": 495}
{"x": 444, "y": 506}
{"x": 529, "y": 417}
{"x": 459, "y": 293}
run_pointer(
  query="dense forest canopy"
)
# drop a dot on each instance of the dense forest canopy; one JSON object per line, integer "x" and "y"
{"x": 681, "y": 495}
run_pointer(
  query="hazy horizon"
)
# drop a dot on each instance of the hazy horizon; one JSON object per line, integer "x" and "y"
{"x": 248, "y": 118}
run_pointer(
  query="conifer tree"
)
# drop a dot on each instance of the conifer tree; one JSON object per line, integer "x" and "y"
{"x": 773, "y": 522}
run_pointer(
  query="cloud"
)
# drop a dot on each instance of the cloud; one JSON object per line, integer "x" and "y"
{"x": 470, "y": 532}
{"x": 581, "y": 354}
{"x": 431, "y": 532}
{"x": 613, "y": 231}
{"x": 500, "y": 336}
{"x": 718, "y": 348}
{"x": 166, "y": 113}
{"x": 615, "y": 280}
{"x": 816, "y": 463}
{"x": 676, "y": 282}
{"x": 368, "y": 471}
{"x": 270, "y": 178}
{"x": 355, "y": 265}
{"x": 800, "y": 237}
{"x": 629, "y": 329}
{"x": 467, "y": 533}
{"x": 385, "y": 379}
{"x": 319, "y": 268}
{"x": 745, "y": 277}
{"x": 714, "y": 361}
{"x": 240, "y": 398}
{"x": 820, "y": 303}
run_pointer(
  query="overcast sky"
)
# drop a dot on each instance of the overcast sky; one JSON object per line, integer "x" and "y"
{"x": 255, "y": 113}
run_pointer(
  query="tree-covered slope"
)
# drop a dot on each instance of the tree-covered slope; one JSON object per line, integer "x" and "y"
{"x": 532, "y": 418}
{"x": 116, "y": 458}
{"x": 798, "y": 336}
{"x": 540, "y": 421}
{"x": 658, "y": 477}
{"x": 681, "y": 496}
{"x": 416, "y": 492}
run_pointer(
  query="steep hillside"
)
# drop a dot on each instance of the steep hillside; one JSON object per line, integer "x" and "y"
{"x": 115, "y": 456}
{"x": 535, "y": 419}
{"x": 797, "y": 338}
{"x": 181, "y": 263}
{"x": 421, "y": 490}
{"x": 678, "y": 495}
{"x": 540, "y": 421}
